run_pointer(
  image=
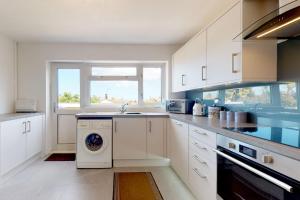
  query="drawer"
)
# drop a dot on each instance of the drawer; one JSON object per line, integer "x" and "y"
{"x": 202, "y": 180}
{"x": 203, "y": 150}
{"x": 204, "y": 165}
{"x": 203, "y": 135}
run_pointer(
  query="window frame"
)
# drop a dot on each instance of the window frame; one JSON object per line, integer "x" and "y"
{"x": 86, "y": 77}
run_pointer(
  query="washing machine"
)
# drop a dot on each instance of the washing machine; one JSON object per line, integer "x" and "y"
{"x": 94, "y": 143}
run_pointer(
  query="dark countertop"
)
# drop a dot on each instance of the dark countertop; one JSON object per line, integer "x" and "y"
{"x": 217, "y": 127}
{"x": 13, "y": 116}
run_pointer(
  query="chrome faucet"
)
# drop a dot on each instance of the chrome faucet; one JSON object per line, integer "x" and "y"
{"x": 123, "y": 108}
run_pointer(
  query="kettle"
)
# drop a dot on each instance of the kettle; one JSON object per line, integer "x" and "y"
{"x": 199, "y": 108}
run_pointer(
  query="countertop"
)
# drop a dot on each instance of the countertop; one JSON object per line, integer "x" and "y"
{"x": 210, "y": 125}
{"x": 120, "y": 115}
{"x": 217, "y": 127}
{"x": 13, "y": 116}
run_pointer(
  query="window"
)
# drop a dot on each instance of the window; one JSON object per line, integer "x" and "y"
{"x": 211, "y": 95}
{"x": 68, "y": 88}
{"x": 135, "y": 85}
{"x": 248, "y": 95}
{"x": 152, "y": 86}
{"x": 113, "y": 84}
{"x": 288, "y": 95}
{"x": 114, "y": 92}
{"x": 114, "y": 71}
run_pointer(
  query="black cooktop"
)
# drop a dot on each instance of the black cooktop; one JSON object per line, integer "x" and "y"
{"x": 286, "y": 136}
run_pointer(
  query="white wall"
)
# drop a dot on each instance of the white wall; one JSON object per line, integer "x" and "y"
{"x": 33, "y": 67}
{"x": 33, "y": 58}
{"x": 7, "y": 75}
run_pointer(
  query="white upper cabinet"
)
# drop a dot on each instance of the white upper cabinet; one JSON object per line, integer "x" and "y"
{"x": 216, "y": 56}
{"x": 233, "y": 60}
{"x": 224, "y": 54}
{"x": 189, "y": 64}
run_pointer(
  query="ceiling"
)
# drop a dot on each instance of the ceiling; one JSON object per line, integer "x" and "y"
{"x": 107, "y": 21}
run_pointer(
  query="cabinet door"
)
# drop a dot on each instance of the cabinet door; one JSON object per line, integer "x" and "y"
{"x": 195, "y": 54}
{"x": 34, "y": 135}
{"x": 178, "y": 75}
{"x": 13, "y": 144}
{"x": 179, "y": 148}
{"x": 155, "y": 137}
{"x": 189, "y": 64}
{"x": 224, "y": 53}
{"x": 129, "y": 138}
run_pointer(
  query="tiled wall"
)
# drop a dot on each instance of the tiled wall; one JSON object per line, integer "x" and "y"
{"x": 276, "y": 104}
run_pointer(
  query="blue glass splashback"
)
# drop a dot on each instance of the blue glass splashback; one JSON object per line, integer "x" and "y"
{"x": 276, "y": 103}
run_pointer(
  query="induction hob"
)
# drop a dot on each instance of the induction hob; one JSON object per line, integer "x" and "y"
{"x": 286, "y": 136}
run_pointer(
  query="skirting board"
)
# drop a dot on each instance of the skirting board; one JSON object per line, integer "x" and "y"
{"x": 19, "y": 168}
{"x": 141, "y": 163}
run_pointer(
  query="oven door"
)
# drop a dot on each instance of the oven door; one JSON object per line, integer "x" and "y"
{"x": 242, "y": 179}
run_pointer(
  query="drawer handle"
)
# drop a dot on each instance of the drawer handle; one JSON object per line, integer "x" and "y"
{"x": 200, "y": 147}
{"x": 199, "y": 174}
{"x": 200, "y": 133}
{"x": 199, "y": 160}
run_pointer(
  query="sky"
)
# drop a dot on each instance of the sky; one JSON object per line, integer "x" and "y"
{"x": 69, "y": 81}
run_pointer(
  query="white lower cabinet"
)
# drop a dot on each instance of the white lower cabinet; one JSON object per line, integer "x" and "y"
{"x": 13, "y": 144}
{"x": 34, "y": 136}
{"x": 178, "y": 135}
{"x": 129, "y": 138}
{"x": 193, "y": 159}
{"x": 138, "y": 138}
{"x": 156, "y": 131}
{"x": 21, "y": 139}
{"x": 202, "y": 163}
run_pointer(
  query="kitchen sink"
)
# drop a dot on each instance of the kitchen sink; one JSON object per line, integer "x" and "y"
{"x": 133, "y": 113}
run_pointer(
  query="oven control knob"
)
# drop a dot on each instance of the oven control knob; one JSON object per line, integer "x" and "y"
{"x": 231, "y": 145}
{"x": 268, "y": 159}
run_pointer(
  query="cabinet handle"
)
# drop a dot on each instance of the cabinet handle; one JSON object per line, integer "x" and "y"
{"x": 150, "y": 126}
{"x": 198, "y": 173}
{"x": 200, "y": 133}
{"x": 29, "y": 126}
{"x": 199, "y": 160}
{"x": 200, "y": 147}
{"x": 182, "y": 80}
{"x": 202, "y": 70}
{"x": 25, "y": 127}
{"x": 233, "y": 70}
{"x": 115, "y": 125}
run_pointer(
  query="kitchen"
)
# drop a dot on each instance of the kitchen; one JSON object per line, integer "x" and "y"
{"x": 96, "y": 106}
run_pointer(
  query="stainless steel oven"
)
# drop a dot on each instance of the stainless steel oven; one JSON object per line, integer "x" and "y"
{"x": 246, "y": 172}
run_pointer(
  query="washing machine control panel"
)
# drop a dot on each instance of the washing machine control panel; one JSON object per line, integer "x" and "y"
{"x": 94, "y": 124}
{"x": 83, "y": 124}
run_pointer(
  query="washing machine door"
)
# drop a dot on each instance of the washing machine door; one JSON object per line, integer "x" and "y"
{"x": 95, "y": 142}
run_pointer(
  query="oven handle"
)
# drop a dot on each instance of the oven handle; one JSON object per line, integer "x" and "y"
{"x": 257, "y": 172}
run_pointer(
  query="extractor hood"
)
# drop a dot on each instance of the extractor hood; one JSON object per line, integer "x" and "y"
{"x": 282, "y": 23}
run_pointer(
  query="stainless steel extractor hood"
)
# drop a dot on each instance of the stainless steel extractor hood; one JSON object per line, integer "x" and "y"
{"x": 282, "y": 23}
